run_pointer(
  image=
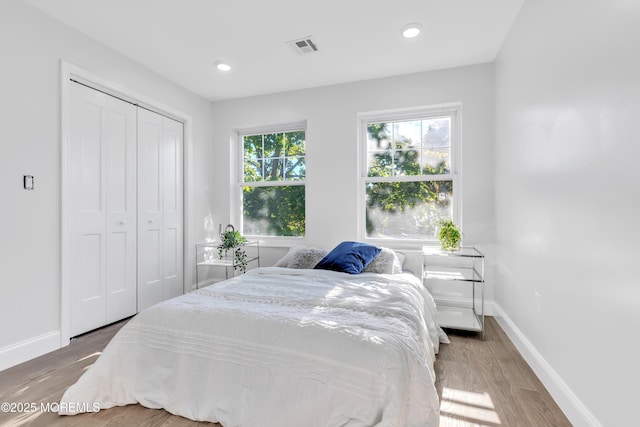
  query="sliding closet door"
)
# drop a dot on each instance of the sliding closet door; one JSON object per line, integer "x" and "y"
{"x": 160, "y": 252}
{"x": 102, "y": 209}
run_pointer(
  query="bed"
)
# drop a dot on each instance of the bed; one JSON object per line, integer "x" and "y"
{"x": 279, "y": 346}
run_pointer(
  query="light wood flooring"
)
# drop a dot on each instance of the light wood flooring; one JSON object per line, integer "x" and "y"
{"x": 488, "y": 383}
{"x": 480, "y": 383}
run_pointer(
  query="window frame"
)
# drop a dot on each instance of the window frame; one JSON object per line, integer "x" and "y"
{"x": 454, "y": 111}
{"x": 239, "y": 182}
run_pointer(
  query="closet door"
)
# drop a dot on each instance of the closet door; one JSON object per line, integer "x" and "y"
{"x": 160, "y": 252}
{"x": 102, "y": 209}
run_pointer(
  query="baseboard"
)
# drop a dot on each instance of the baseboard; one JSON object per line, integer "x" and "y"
{"x": 31, "y": 348}
{"x": 566, "y": 399}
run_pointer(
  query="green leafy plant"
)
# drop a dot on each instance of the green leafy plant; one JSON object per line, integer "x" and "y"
{"x": 449, "y": 235}
{"x": 232, "y": 240}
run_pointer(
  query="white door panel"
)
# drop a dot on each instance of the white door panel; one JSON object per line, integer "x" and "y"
{"x": 149, "y": 210}
{"x": 172, "y": 203}
{"x": 102, "y": 209}
{"x": 122, "y": 208}
{"x": 160, "y": 266}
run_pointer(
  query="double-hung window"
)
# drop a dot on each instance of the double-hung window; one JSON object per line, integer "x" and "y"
{"x": 410, "y": 178}
{"x": 272, "y": 181}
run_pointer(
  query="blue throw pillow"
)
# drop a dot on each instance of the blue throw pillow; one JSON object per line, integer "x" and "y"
{"x": 349, "y": 257}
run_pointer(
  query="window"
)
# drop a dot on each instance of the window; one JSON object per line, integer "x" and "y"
{"x": 409, "y": 181}
{"x": 273, "y": 182}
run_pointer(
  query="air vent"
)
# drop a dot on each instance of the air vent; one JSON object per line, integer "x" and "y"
{"x": 303, "y": 46}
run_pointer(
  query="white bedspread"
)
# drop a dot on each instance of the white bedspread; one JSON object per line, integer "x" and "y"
{"x": 278, "y": 347}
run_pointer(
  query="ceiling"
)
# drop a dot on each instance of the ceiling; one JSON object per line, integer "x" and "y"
{"x": 357, "y": 39}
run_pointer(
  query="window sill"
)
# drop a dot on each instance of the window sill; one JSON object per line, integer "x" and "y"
{"x": 277, "y": 241}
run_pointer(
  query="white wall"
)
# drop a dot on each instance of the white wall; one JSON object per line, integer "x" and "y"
{"x": 332, "y": 123}
{"x": 567, "y": 97}
{"x": 32, "y": 45}
{"x": 567, "y": 201}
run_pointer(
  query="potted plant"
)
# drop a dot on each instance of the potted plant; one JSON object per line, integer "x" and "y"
{"x": 231, "y": 239}
{"x": 449, "y": 235}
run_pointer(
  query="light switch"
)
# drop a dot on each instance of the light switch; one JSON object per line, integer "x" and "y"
{"x": 28, "y": 182}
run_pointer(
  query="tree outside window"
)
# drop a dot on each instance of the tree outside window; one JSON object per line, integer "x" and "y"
{"x": 409, "y": 182}
{"x": 273, "y": 183}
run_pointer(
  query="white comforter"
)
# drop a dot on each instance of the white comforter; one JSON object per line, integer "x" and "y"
{"x": 278, "y": 347}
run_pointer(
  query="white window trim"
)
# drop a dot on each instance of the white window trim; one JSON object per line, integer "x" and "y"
{"x": 455, "y": 111}
{"x": 238, "y": 183}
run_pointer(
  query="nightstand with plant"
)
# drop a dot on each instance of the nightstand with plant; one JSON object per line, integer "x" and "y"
{"x": 232, "y": 252}
{"x": 459, "y": 266}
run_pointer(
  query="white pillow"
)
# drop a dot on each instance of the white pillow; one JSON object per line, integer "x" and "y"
{"x": 302, "y": 257}
{"x": 387, "y": 261}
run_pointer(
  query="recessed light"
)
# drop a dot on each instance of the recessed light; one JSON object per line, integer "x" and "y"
{"x": 223, "y": 66}
{"x": 410, "y": 31}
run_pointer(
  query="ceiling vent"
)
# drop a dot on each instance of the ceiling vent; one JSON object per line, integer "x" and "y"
{"x": 303, "y": 46}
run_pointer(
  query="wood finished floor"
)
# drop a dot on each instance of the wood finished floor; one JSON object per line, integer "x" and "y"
{"x": 480, "y": 383}
{"x": 488, "y": 383}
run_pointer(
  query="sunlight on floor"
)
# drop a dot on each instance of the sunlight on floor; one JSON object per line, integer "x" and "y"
{"x": 465, "y": 408}
{"x": 96, "y": 354}
{"x": 26, "y": 419}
